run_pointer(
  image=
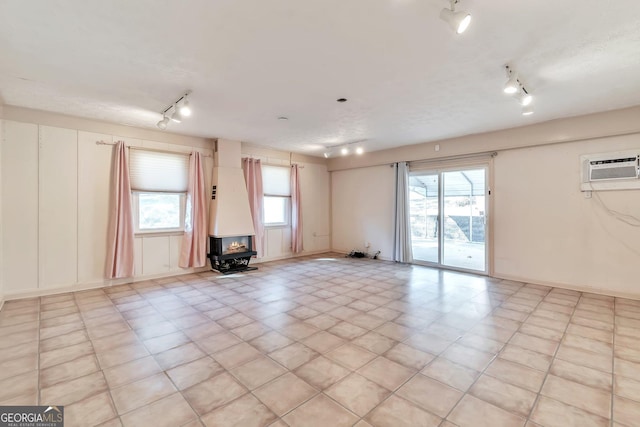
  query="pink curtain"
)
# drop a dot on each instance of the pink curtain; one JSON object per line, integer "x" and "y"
{"x": 253, "y": 178}
{"x": 296, "y": 211}
{"x": 120, "y": 237}
{"x": 194, "y": 240}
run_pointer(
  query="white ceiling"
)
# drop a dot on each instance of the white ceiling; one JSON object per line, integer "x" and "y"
{"x": 408, "y": 77}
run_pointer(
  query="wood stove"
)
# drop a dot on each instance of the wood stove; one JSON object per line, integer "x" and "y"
{"x": 231, "y": 254}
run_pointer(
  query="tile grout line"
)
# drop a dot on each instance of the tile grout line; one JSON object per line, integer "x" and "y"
{"x": 393, "y": 393}
{"x": 95, "y": 355}
{"x": 38, "y": 394}
{"x": 553, "y": 357}
{"x": 613, "y": 364}
{"x": 164, "y": 371}
{"x": 498, "y": 353}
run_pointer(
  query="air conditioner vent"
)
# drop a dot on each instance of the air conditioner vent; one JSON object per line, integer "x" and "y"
{"x": 611, "y": 171}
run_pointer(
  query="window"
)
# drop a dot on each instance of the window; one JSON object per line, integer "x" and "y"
{"x": 159, "y": 185}
{"x": 159, "y": 211}
{"x": 276, "y": 184}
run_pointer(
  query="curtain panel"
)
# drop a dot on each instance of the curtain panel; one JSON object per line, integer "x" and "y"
{"x": 252, "y": 169}
{"x": 119, "y": 263}
{"x": 402, "y": 235}
{"x": 194, "y": 241}
{"x": 296, "y": 211}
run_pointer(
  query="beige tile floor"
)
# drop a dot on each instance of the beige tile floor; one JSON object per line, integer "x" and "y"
{"x": 326, "y": 341}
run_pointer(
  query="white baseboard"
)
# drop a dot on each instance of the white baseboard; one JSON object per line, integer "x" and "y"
{"x": 288, "y": 256}
{"x": 586, "y": 289}
{"x": 35, "y": 293}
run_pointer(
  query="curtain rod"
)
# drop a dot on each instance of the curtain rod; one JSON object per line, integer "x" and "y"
{"x": 451, "y": 158}
{"x": 248, "y": 156}
{"x": 157, "y": 150}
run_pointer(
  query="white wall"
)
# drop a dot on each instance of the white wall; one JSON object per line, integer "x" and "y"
{"x": 315, "y": 199}
{"x": 544, "y": 230}
{"x": 363, "y": 209}
{"x": 55, "y": 198}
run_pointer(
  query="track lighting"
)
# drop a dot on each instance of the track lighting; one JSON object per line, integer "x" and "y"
{"x": 177, "y": 114}
{"x": 185, "y": 110}
{"x": 345, "y": 149}
{"x": 515, "y": 87}
{"x": 459, "y": 21}
{"x": 512, "y": 85}
{"x": 180, "y": 109}
{"x": 524, "y": 98}
{"x": 527, "y": 111}
{"x": 162, "y": 124}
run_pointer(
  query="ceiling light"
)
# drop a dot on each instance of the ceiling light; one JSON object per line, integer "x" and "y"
{"x": 459, "y": 21}
{"x": 162, "y": 124}
{"x": 527, "y": 111}
{"x": 179, "y": 112}
{"x": 327, "y": 154}
{"x": 185, "y": 110}
{"x": 344, "y": 151}
{"x": 177, "y": 115}
{"x": 524, "y": 98}
{"x": 359, "y": 150}
{"x": 512, "y": 85}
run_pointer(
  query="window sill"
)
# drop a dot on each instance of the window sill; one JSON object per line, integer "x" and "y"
{"x": 158, "y": 233}
{"x": 273, "y": 227}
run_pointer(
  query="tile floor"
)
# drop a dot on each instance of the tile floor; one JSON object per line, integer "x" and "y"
{"x": 326, "y": 341}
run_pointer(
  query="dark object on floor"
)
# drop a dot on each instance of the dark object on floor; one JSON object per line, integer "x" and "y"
{"x": 356, "y": 254}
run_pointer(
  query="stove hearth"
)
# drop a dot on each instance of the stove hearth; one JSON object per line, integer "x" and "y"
{"x": 231, "y": 254}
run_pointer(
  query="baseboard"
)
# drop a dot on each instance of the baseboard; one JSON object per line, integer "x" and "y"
{"x": 35, "y": 293}
{"x": 587, "y": 289}
{"x": 289, "y": 256}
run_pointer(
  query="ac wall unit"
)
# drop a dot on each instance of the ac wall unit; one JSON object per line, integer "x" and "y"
{"x": 611, "y": 171}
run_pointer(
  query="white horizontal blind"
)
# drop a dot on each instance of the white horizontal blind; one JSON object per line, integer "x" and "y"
{"x": 276, "y": 180}
{"x": 157, "y": 171}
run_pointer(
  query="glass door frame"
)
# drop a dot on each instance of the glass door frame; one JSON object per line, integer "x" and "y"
{"x": 439, "y": 172}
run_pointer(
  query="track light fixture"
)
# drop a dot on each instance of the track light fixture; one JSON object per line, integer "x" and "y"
{"x": 524, "y": 98}
{"x": 512, "y": 85}
{"x": 185, "y": 110}
{"x": 459, "y": 21}
{"x": 162, "y": 124}
{"x": 515, "y": 87}
{"x": 345, "y": 149}
{"x": 180, "y": 109}
{"x": 177, "y": 115}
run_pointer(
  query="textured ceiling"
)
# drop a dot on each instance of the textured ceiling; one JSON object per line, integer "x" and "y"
{"x": 408, "y": 77}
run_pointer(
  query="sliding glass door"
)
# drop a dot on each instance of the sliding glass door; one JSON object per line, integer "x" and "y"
{"x": 448, "y": 217}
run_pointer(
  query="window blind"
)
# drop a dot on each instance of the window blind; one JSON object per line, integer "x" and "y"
{"x": 276, "y": 180}
{"x": 154, "y": 171}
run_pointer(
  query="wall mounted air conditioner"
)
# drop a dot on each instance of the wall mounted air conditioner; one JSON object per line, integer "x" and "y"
{"x": 619, "y": 170}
